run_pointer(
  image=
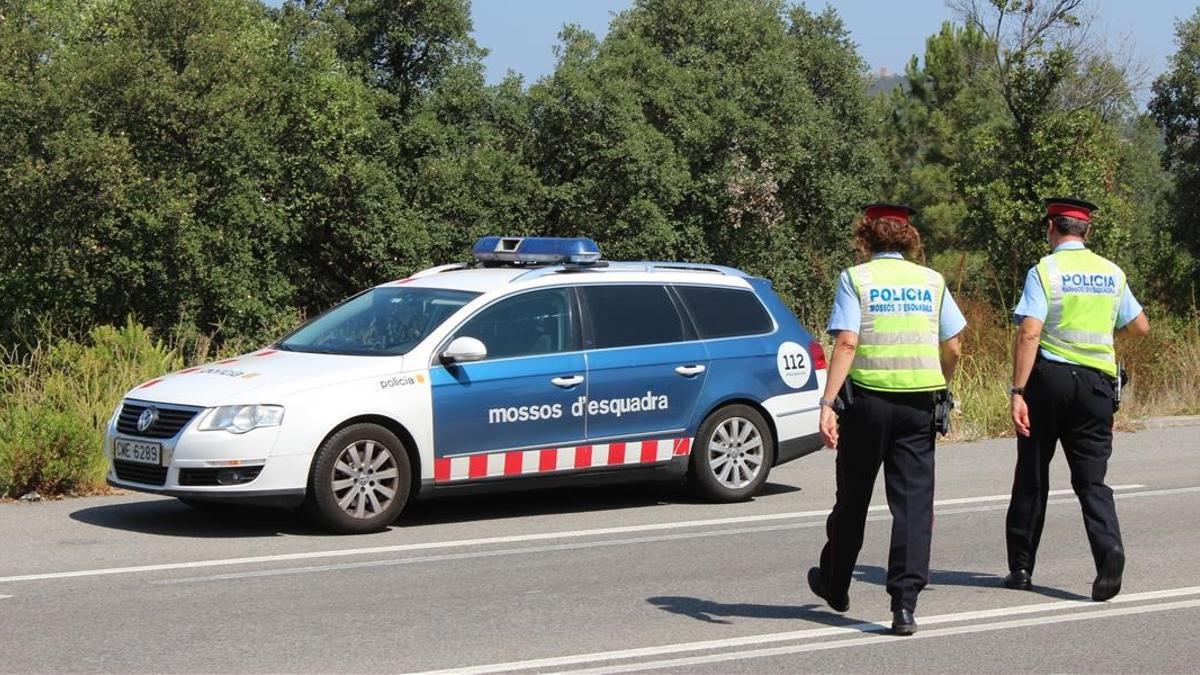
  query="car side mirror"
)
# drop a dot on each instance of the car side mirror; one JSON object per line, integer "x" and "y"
{"x": 464, "y": 349}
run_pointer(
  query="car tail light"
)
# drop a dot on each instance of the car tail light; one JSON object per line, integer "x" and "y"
{"x": 818, "y": 355}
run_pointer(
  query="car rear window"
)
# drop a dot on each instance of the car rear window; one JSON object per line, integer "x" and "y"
{"x": 628, "y": 315}
{"x": 725, "y": 312}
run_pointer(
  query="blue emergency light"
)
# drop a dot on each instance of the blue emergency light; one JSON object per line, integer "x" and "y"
{"x": 537, "y": 250}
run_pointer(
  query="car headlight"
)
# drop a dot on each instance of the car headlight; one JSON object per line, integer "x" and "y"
{"x": 239, "y": 419}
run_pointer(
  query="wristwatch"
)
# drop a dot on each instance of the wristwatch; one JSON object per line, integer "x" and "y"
{"x": 1016, "y": 391}
{"x": 825, "y": 403}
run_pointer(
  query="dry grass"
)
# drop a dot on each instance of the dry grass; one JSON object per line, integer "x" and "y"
{"x": 984, "y": 374}
{"x": 1164, "y": 369}
{"x": 57, "y": 396}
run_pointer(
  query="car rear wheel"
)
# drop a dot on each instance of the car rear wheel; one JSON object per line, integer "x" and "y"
{"x": 732, "y": 455}
{"x": 360, "y": 480}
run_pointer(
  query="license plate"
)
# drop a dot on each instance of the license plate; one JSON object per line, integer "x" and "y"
{"x": 140, "y": 452}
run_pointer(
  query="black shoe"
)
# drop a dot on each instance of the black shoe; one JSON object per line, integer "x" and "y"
{"x": 903, "y": 622}
{"x": 1018, "y": 579}
{"x": 816, "y": 583}
{"x": 1108, "y": 579}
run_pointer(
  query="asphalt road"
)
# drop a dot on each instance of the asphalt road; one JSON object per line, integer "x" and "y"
{"x": 603, "y": 580}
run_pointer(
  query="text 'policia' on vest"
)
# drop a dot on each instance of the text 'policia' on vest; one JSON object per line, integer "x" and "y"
{"x": 1083, "y": 294}
{"x": 898, "y": 342}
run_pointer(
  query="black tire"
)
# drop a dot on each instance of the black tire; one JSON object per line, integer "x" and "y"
{"x": 360, "y": 506}
{"x": 708, "y": 466}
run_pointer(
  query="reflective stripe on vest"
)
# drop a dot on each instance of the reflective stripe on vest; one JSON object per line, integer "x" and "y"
{"x": 1083, "y": 296}
{"x": 898, "y": 342}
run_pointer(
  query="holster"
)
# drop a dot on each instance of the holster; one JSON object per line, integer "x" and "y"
{"x": 943, "y": 403}
{"x": 1119, "y": 383}
{"x": 845, "y": 398}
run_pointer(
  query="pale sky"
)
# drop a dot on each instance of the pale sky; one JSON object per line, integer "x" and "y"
{"x": 520, "y": 34}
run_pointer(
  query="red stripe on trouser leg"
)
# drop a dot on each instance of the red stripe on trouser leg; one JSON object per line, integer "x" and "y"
{"x": 616, "y": 453}
{"x": 649, "y": 451}
{"x": 583, "y": 456}
{"x": 512, "y": 463}
{"x": 683, "y": 446}
{"x": 477, "y": 467}
{"x": 441, "y": 470}
{"x": 547, "y": 460}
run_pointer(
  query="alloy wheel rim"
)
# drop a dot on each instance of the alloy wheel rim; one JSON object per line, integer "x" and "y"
{"x": 735, "y": 452}
{"x": 365, "y": 479}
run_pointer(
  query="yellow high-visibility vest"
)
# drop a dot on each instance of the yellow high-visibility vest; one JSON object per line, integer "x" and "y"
{"x": 901, "y": 303}
{"x": 1083, "y": 296}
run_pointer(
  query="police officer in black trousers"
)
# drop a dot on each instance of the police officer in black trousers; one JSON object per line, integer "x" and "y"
{"x": 1064, "y": 388}
{"x": 896, "y": 331}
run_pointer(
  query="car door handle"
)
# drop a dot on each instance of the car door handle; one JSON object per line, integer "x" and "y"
{"x": 690, "y": 371}
{"x": 567, "y": 382}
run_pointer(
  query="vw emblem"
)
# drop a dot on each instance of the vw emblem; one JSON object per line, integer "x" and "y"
{"x": 147, "y": 419}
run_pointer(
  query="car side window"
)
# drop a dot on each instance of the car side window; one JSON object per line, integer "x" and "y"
{"x": 629, "y": 315}
{"x": 538, "y": 322}
{"x": 725, "y": 312}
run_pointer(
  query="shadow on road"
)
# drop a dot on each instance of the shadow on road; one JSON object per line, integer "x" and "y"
{"x": 709, "y": 611}
{"x": 552, "y": 501}
{"x": 169, "y": 517}
{"x": 877, "y": 575}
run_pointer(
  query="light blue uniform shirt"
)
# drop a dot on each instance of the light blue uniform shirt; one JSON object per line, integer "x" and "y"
{"x": 847, "y": 314}
{"x": 1033, "y": 300}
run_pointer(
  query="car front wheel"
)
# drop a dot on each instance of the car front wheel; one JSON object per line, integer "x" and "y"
{"x": 360, "y": 480}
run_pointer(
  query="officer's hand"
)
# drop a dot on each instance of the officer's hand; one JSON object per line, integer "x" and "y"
{"x": 829, "y": 427}
{"x": 1020, "y": 414}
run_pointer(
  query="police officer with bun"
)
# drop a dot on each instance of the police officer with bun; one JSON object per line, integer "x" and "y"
{"x": 896, "y": 329}
{"x": 1065, "y": 387}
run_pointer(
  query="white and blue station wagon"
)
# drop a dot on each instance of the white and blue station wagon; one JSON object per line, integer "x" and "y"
{"x": 536, "y": 363}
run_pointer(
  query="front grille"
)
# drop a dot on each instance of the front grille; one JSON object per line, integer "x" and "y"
{"x": 170, "y": 420}
{"x": 233, "y": 475}
{"x": 140, "y": 473}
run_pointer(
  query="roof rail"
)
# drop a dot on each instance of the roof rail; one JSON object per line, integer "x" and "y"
{"x": 698, "y": 267}
{"x": 439, "y": 269}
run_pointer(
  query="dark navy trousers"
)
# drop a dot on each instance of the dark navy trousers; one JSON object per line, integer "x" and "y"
{"x": 1074, "y": 405}
{"x": 894, "y": 430}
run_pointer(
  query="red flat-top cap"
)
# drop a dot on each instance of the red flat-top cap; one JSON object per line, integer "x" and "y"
{"x": 883, "y": 210}
{"x": 1072, "y": 208}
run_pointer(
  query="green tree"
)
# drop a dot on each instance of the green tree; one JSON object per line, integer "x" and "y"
{"x": 1176, "y": 107}
{"x": 1016, "y": 105}
{"x": 930, "y": 125}
{"x": 204, "y": 163}
{"x": 735, "y": 132}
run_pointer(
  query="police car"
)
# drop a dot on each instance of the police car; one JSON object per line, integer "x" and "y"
{"x": 536, "y": 363}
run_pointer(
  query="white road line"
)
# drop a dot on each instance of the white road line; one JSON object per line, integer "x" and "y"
{"x": 464, "y": 543}
{"x": 790, "y": 636}
{"x": 5, "y": 597}
{"x": 702, "y": 534}
{"x": 890, "y": 639}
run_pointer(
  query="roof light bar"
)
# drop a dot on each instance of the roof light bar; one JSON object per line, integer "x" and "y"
{"x": 537, "y": 250}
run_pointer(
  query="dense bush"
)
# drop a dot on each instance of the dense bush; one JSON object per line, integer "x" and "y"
{"x": 56, "y": 399}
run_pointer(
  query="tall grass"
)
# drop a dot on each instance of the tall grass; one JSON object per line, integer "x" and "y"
{"x": 57, "y": 395}
{"x": 984, "y": 374}
{"x": 1164, "y": 368}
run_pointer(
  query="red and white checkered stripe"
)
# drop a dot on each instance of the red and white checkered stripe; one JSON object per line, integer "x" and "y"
{"x": 549, "y": 460}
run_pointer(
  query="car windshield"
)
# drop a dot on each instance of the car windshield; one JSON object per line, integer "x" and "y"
{"x": 385, "y": 321}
